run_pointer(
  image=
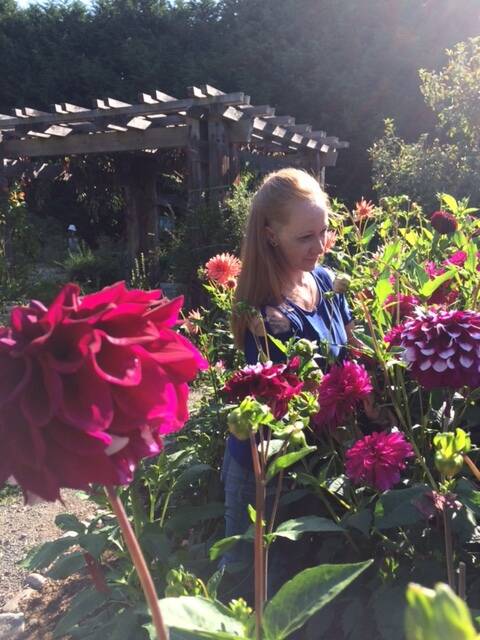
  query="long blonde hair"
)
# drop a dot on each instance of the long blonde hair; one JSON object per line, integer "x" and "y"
{"x": 263, "y": 265}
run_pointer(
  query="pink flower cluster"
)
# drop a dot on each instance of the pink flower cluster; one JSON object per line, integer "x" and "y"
{"x": 340, "y": 391}
{"x": 376, "y": 460}
{"x": 275, "y": 384}
{"x": 89, "y": 386}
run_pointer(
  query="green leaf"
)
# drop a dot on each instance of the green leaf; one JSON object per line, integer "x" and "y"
{"x": 219, "y": 548}
{"x": 67, "y": 565}
{"x": 432, "y": 285}
{"x": 214, "y": 582}
{"x": 202, "y": 618}
{"x": 396, "y": 508}
{"x": 69, "y": 522}
{"x": 94, "y": 543}
{"x": 278, "y": 343}
{"x": 82, "y": 605}
{"x": 192, "y": 474}
{"x": 468, "y": 496}
{"x": 283, "y": 462}
{"x": 44, "y": 555}
{"x": 449, "y": 202}
{"x": 383, "y": 289}
{"x": 299, "y": 598}
{"x": 187, "y": 517}
{"x": 361, "y": 520}
{"x": 294, "y": 529}
{"x": 155, "y": 543}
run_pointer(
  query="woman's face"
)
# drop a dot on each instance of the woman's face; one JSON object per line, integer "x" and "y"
{"x": 302, "y": 239}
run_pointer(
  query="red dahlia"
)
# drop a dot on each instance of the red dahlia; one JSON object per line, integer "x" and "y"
{"x": 89, "y": 386}
{"x": 442, "y": 348}
{"x": 275, "y": 384}
{"x": 376, "y": 460}
{"x": 340, "y": 391}
{"x": 444, "y": 222}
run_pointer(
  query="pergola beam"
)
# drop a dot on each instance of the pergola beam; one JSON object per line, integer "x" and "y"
{"x": 155, "y": 138}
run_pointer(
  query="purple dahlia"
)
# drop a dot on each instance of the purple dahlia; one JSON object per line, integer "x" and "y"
{"x": 442, "y": 348}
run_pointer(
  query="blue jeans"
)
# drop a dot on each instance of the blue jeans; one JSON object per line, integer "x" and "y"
{"x": 239, "y": 483}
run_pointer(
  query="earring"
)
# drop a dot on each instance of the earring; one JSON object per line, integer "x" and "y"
{"x": 273, "y": 243}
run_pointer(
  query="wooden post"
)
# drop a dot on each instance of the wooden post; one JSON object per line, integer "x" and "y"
{"x": 139, "y": 180}
{"x": 197, "y": 158}
{"x": 218, "y": 157}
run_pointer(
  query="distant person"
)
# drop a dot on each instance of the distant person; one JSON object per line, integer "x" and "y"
{"x": 72, "y": 239}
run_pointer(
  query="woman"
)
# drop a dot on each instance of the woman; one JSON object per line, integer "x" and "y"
{"x": 285, "y": 237}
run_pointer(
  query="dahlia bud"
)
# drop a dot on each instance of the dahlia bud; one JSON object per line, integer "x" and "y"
{"x": 304, "y": 348}
{"x": 246, "y": 418}
{"x": 450, "y": 448}
{"x": 341, "y": 283}
{"x": 240, "y": 610}
{"x": 182, "y": 583}
{"x": 313, "y": 377}
{"x": 444, "y": 222}
{"x": 297, "y": 438}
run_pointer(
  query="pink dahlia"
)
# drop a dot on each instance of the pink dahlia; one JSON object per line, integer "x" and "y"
{"x": 340, "y": 391}
{"x": 89, "y": 386}
{"x": 275, "y": 384}
{"x": 442, "y": 348}
{"x": 376, "y": 460}
{"x": 457, "y": 259}
{"x": 400, "y": 304}
{"x": 223, "y": 268}
{"x": 363, "y": 210}
{"x": 444, "y": 222}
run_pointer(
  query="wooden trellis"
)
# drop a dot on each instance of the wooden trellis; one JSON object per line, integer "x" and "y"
{"x": 219, "y": 132}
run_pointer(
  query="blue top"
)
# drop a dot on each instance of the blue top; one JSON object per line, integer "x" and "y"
{"x": 325, "y": 323}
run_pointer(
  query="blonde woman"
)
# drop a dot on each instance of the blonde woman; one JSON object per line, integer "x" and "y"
{"x": 285, "y": 237}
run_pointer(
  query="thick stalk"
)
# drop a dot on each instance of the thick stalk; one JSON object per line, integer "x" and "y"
{"x": 139, "y": 562}
{"x": 462, "y": 580}
{"x": 259, "y": 557}
{"x": 449, "y": 548}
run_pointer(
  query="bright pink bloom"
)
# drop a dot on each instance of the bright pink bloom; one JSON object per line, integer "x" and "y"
{"x": 457, "y": 259}
{"x": 89, "y": 386}
{"x": 442, "y": 348}
{"x": 443, "y": 295}
{"x": 274, "y": 384}
{"x": 223, "y": 268}
{"x": 376, "y": 460}
{"x": 402, "y": 303}
{"x": 444, "y": 222}
{"x": 340, "y": 391}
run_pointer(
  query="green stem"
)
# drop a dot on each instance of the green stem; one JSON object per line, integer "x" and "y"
{"x": 259, "y": 558}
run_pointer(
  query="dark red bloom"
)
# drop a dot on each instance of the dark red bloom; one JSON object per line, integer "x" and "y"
{"x": 394, "y": 336}
{"x": 376, "y": 460}
{"x": 442, "y": 348}
{"x": 400, "y": 304}
{"x": 444, "y": 222}
{"x": 89, "y": 386}
{"x": 274, "y": 384}
{"x": 340, "y": 391}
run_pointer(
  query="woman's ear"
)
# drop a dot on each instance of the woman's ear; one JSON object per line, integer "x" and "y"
{"x": 271, "y": 236}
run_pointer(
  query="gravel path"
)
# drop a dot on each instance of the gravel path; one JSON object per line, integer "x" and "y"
{"x": 22, "y": 527}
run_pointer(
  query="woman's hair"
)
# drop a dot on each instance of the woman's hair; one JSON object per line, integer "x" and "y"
{"x": 263, "y": 265}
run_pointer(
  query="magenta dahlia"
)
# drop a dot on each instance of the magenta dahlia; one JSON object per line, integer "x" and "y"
{"x": 442, "y": 348}
{"x": 400, "y": 304}
{"x": 444, "y": 222}
{"x": 376, "y": 460}
{"x": 275, "y": 384}
{"x": 457, "y": 259}
{"x": 394, "y": 336}
{"x": 340, "y": 390}
{"x": 443, "y": 294}
{"x": 89, "y": 386}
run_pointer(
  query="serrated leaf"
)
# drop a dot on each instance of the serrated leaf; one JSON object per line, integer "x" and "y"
{"x": 432, "y": 285}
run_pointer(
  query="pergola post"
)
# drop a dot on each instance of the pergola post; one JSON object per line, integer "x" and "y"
{"x": 139, "y": 174}
{"x": 197, "y": 158}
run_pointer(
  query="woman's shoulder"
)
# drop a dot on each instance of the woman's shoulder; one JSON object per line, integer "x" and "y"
{"x": 276, "y": 317}
{"x": 326, "y": 275}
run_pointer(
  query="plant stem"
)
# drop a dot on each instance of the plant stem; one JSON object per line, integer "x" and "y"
{"x": 448, "y": 548}
{"x": 472, "y": 466}
{"x": 259, "y": 559}
{"x": 462, "y": 580}
{"x": 139, "y": 562}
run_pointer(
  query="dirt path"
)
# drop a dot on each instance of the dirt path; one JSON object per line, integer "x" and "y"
{"x": 22, "y": 527}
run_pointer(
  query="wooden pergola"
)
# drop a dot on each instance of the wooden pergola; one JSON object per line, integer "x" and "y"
{"x": 219, "y": 133}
